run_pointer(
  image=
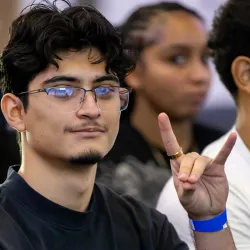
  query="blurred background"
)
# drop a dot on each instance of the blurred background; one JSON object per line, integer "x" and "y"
{"x": 218, "y": 110}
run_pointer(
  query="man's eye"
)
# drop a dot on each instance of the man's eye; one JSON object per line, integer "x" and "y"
{"x": 61, "y": 92}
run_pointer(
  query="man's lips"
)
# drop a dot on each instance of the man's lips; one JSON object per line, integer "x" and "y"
{"x": 89, "y": 132}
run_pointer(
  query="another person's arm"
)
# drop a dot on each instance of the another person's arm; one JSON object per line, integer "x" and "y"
{"x": 213, "y": 241}
{"x": 202, "y": 188}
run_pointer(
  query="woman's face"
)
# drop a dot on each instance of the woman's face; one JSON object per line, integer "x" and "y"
{"x": 174, "y": 74}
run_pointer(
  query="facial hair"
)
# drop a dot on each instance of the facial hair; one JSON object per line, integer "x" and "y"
{"x": 87, "y": 158}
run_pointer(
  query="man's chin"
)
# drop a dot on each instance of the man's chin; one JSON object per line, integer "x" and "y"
{"x": 91, "y": 157}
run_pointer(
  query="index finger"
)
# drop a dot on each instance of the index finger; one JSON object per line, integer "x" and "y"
{"x": 168, "y": 137}
{"x": 225, "y": 151}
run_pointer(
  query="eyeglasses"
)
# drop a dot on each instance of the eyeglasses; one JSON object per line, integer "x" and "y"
{"x": 69, "y": 99}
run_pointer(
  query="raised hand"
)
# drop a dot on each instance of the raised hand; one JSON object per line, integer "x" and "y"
{"x": 200, "y": 181}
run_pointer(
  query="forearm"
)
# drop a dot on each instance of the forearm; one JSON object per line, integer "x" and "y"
{"x": 221, "y": 240}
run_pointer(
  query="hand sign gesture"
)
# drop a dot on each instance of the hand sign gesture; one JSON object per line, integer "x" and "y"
{"x": 200, "y": 181}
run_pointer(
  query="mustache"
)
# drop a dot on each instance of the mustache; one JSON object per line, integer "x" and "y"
{"x": 85, "y": 125}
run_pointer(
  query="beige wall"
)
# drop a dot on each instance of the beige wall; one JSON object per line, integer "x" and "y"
{"x": 8, "y": 11}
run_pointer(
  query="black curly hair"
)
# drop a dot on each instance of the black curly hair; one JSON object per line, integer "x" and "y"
{"x": 230, "y": 38}
{"x": 139, "y": 22}
{"x": 40, "y": 33}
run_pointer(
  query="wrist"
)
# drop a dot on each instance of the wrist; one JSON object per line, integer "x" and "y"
{"x": 204, "y": 217}
{"x": 209, "y": 223}
{"x": 192, "y": 216}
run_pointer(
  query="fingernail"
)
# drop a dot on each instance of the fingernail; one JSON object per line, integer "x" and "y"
{"x": 193, "y": 178}
{"x": 182, "y": 176}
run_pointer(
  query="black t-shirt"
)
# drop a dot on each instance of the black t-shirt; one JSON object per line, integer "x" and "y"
{"x": 9, "y": 151}
{"x": 29, "y": 221}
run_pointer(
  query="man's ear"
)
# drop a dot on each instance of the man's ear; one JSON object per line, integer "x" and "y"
{"x": 241, "y": 73}
{"x": 13, "y": 111}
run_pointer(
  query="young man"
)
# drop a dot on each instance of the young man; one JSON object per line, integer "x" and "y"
{"x": 229, "y": 42}
{"x": 60, "y": 75}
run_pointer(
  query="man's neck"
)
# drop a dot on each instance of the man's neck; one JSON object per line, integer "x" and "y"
{"x": 68, "y": 186}
{"x": 243, "y": 118}
{"x": 145, "y": 120}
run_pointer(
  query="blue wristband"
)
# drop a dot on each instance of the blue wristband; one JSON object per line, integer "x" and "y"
{"x": 216, "y": 224}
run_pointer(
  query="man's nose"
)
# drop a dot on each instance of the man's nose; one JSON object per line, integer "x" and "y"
{"x": 89, "y": 106}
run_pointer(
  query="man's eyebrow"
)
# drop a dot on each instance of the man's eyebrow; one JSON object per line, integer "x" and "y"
{"x": 107, "y": 78}
{"x": 72, "y": 79}
{"x": 61, "y": 79}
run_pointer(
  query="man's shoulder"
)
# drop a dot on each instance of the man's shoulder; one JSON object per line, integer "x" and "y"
{"x": 128, "y": 212}
{"x": 126, "y": 203}
{"x": 11, "y": 235}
